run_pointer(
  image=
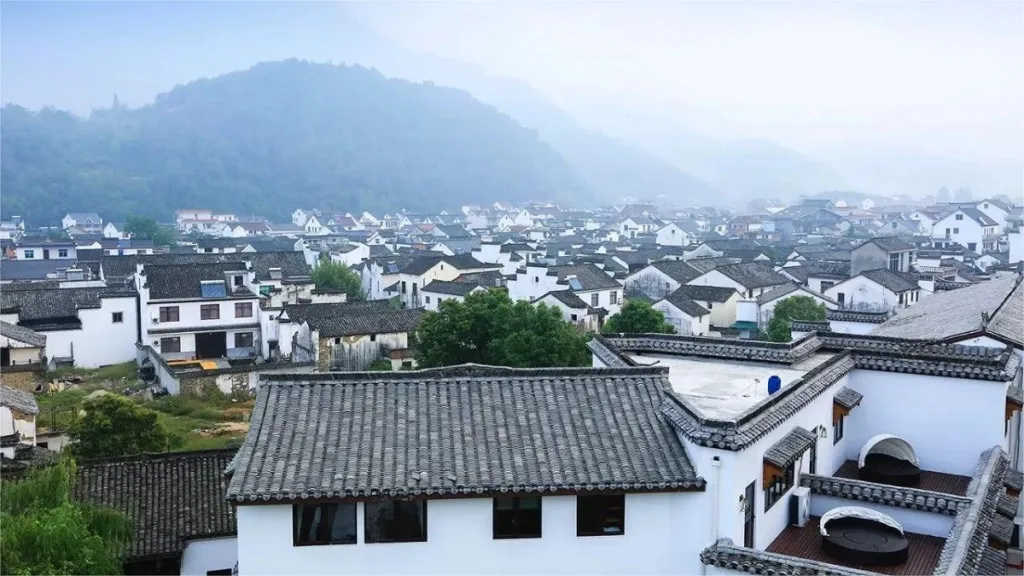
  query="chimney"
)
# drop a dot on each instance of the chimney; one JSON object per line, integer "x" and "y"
{"x": 984, "y": 320}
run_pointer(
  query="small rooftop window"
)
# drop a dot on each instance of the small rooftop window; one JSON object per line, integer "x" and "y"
{"x": 212, "y": 289}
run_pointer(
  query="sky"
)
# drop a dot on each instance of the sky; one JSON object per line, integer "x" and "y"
{"x": 934, "y": 78}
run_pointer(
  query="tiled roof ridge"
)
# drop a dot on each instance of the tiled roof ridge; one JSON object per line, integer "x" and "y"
{"x": 717, "y": 347}
{"x": 153, "y": 456}
{"x": 725, "y": 554}
{"x": 897, "y": 496}
{"x": 916, "y": 347}
{"x": 761, "y": 418}
{"x": 855, "y": 316}
{"x": 460, "y": 372}
{"x": 968, "y": 537}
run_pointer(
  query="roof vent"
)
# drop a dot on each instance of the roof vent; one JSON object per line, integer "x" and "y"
{"x": 774, "y": 384}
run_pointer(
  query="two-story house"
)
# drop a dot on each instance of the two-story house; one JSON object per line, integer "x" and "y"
{"x": 750, "y": 279}
{"x": 45, "y": 249}
{"x": 88, "y": 222}
{"x": 876, "y": 290}
{"x": 888, "y": 252}
{"x": 406, "y": 278}
{"x": 196, "y": 311}
{"x": 968, "y": 227}
{"x": 592, "y": 285}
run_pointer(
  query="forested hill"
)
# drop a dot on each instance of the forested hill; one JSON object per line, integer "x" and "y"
{"x": 275, "y": 137}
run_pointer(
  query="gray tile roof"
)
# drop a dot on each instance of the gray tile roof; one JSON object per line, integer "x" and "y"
{"x": 291, "y": 262}
{"x": 753, "y": 274}
{"x": 777, "y": 292}
{"x": 809, "y": 326}
{"x": 567, "y": 297}
{"x": 948, "y": 315}
{"x": 182, "y": 281}
{"x": 451, "y": 288}
{"x": 679, "y": 271}
{"x": 992, "y": 561}
{"x": 422, "y": 264}
{"x": 897, "y": 496}
{"x": 711, "y": 347}
{"x": 853, "y": 316}
{"x": 31, "y": 269}
{"x": 18, "y": 399}
{"x": 707, "y": 293}
{"x": 848, "y": 397}
{"x": 390, "y": 321}
{"x": 169, "y": 498}
{"x": 891, "y": 280}
{"x": 891, "y": 243}
{"x": 968, "y": 538}
{"x": 725, "y": 554}
{"x": 463, "y": 430}
{"x": 789, "y": 448}
{"x": 43, "y": 306}
{"x": 1008, "y": 321}
{"x": 589, "y": 276}
{"x": 685, "y": 304}
{"x": 22, "y": 334}
{"x": 1014, "y": 480}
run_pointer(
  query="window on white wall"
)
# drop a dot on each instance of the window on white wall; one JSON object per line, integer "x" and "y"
{"x": 323, "y": 524}
{"x": 396, "y": 521}
{"x": 601, "y": 515}
{"x": 117, "y": 317}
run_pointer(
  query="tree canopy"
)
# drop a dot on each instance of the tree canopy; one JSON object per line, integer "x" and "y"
{"x": 488, "y": 328}
{"x": 793, "y": 308}
{"x": 46, "y": 532}
{"x": 330, "y": 275}
{"x": 334, "y": 137}
{"x": 116, "y": 426}
{"x": 148, "y": 228}
{"x": 638, "y": 317}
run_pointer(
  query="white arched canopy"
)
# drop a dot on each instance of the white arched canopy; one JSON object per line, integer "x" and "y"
{"x": 856, "y": 512}
{"x": 889, "y": 445}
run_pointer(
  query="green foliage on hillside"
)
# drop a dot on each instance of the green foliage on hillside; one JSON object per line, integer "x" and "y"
{"x": 116, "y": 426}
{"x": 148, "y": 228}
{"x": 45, "y": 532}
{"x": 274, "y": 137}
{"x": 638, "y": 317}
{"x": 488, "y": 328}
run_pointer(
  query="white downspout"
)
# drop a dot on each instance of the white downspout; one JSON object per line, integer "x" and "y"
{"x": 716, "y": 462}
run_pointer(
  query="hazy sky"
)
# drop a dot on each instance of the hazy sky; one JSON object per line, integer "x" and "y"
{"x": 939, "y": 78}
{"x": 935, "y": 78}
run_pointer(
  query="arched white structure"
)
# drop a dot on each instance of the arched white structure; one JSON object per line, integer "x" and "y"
{"x": 889, "y": 445}
{"x": 856, "y": 512}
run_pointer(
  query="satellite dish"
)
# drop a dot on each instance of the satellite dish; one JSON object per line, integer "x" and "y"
{"x": 774, "y": 383}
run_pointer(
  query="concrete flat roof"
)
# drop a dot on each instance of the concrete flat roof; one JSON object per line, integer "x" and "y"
{"x": 724, "y": 389}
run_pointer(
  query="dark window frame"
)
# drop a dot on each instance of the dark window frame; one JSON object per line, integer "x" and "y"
{"x": 177, "y": 346}
{"x": 243, "y": 309}
{"x": 117, "y": 317}
{"x": 837, "y": 429}
{"x": 170, "y": 314}
{"x": 780, "y": 484}
{"x": 252, "y": 339}
{"x": 368, "y": 512}
{"x": 517, "y": 531}
{"x": 205, "y": 309}
{"x": 297, "y": 510}
{"x": 604, "y": 502}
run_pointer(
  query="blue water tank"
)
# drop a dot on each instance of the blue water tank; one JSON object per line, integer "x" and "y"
{"x": 774, "y": 383}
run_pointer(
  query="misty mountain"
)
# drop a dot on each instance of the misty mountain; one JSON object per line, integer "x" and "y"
{"x": 275, "y": 137}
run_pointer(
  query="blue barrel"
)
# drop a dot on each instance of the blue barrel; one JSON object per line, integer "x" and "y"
{"x": 774, "y": 383}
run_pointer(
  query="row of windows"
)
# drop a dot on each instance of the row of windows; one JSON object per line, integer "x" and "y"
{"x": 406, "y": 521}
{"x": 206, "y": 312}
{"x": 173, "y": 343}
{"x": 31, "y": 253}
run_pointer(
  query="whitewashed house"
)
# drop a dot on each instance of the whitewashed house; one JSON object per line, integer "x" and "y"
{"x": 750, "y": 279}
{"x": 684, "y": 314}
{"x": 88, "y": 222}
{"x": 672, "y": 235}
{"x": 438, "y": 291}
{"x": 587, "y": 281}
{"x": 84, "y": 327}
{"x": 112, "y": 230}
{"x": 878, "y": 290}
{"x": 968, "y": 227}
{"x": 45, "y": 249}
{"x": 21, "y": 346}
{"x": 574, "y": 310}
{"x": 767, "y": 302}
{"x": 18, "y": 411}
{"x": 720, "y": 301}
{"x": 405, "y": 279}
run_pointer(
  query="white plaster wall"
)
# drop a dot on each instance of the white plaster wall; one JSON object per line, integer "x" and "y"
{"x": 533, "y": 284}
{"x": 852, "y": 327}
{"x": 1016, "y": 241}
{"x": 864, "y": 294}
{"x": 189, "y": 314}
{"x": 22, "y": 355}
{"x": 660, "y": 537}
{"x": 738, "y": 469}
{"x": 436, "y": 299}
{"x": 9, "y": 425}
{"x": 100, "y": 341}
{"x": 604, "y": 299}
{"x": 971, "y": 412}
{"x": 914, "y": 521}
{"x": 202, "y": 556}
{"x": 683, "y": 323}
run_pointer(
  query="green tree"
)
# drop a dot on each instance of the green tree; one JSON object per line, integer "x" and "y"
{"x": 116, "y": 426}
{"x": 638, "y": 317}
{"x": 333, "y": 276}
{"x": 142, "y": 227}
{"x": 793, "y": 308}
{"x": 46, "y": 532}
{"x": 488, "y": 328}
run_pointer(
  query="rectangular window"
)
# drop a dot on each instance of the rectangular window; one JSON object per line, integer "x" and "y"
{"x": 168, "y": 313}
{"x": 238, "y": 280}
{"x": 243, "y": 309}
{"x": 956, "y": 230}
{"x": 959, "y": 216}
{"x": 62, "y": 253}
{"x": 595, "y": 299}
{"x": 426, "y": 299}
{"x": 837, "y": 430}
{"x": 243, "y": 340}
{"x": 841, "y": 298}
{"x": 573, "y": 316}
{"x": 320, "y": 524}
{"x": 396, "y": 521}
{"x": 170, "y": 345}
{"x": 825, "y": 285}
{"x": 779, "y": 486}
{"x": 209, "y": 312}
{"x": 517, "y": 517}
{"x": 117, "y": 317}
{"x": 601, "y": 515}
{"x": 614, "y": 297}
{"x": 894, "y": 261}
{"x": 403, "y": 286}
{"x": 30, "y": 254}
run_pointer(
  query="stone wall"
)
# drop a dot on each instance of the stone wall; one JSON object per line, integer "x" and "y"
{"x": 15, "y": 377}
{"x": 323, "y": 356}
{"x": 200, "y": 386}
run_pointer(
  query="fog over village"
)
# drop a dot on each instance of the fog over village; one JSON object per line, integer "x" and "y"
{"x": 511, "y": 288}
